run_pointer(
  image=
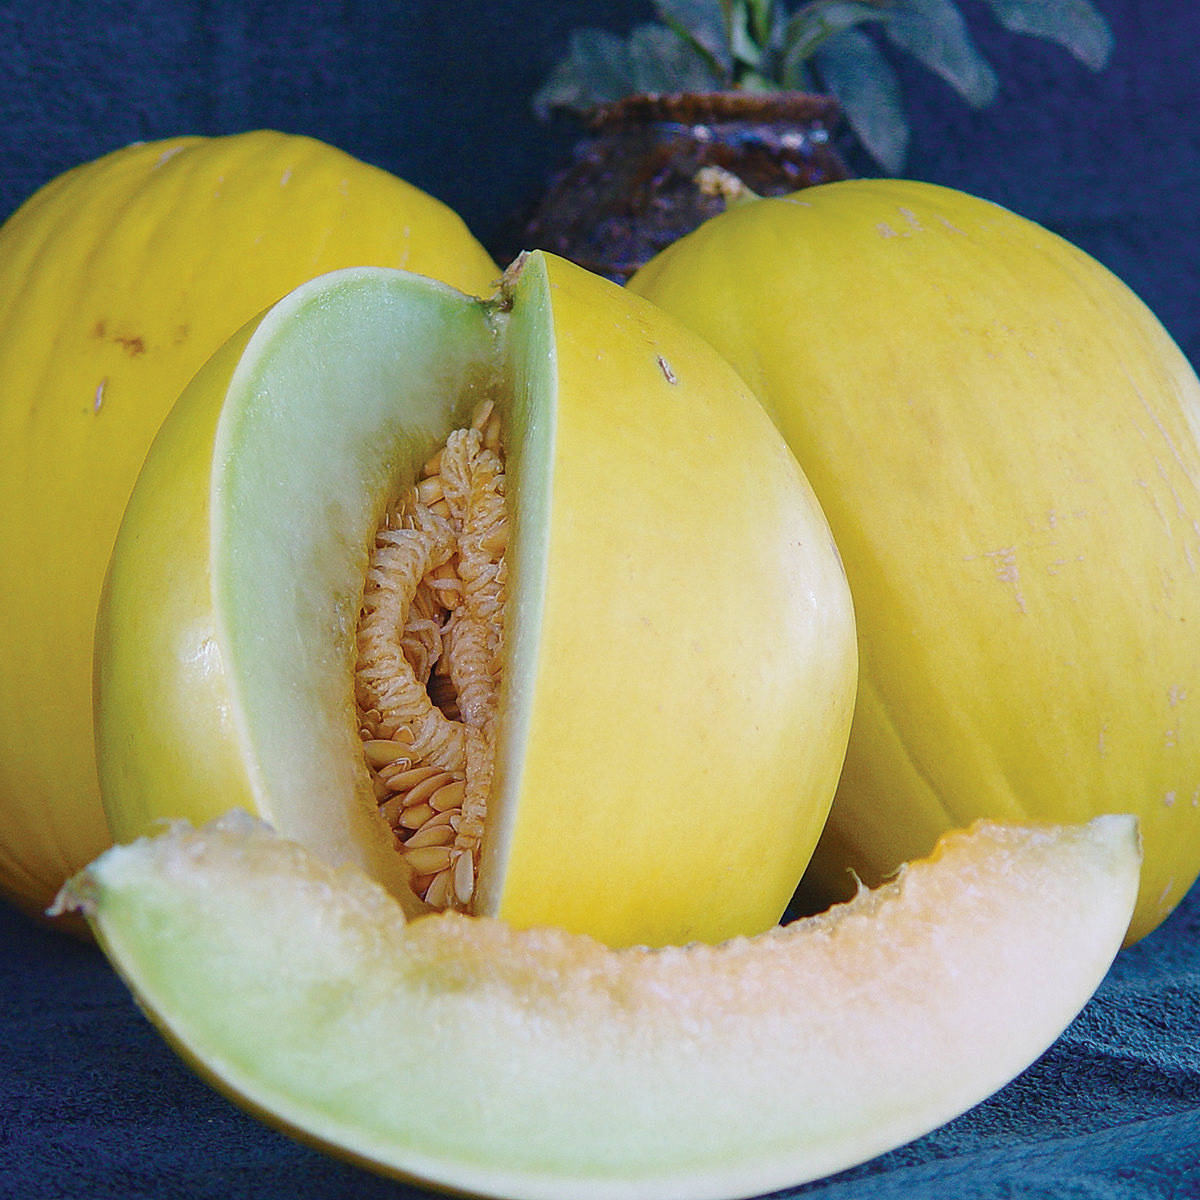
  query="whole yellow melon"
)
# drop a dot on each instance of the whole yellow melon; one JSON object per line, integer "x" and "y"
{"x": 117, "y": 280}
{"x": 1006, "y": 443}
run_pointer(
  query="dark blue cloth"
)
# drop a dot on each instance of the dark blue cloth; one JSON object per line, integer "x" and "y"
{"x": 92, "y": 1103}
{"x": 438, "y": 93}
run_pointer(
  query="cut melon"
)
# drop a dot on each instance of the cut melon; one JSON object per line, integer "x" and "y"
{"x": 678, "y": 659}
{"x": 462, "y": 1053}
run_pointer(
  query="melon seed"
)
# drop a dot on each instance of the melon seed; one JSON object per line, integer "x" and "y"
{"x": 430, "y": 640}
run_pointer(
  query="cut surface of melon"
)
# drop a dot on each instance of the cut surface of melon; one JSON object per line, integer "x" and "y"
{"x": 535, "y": 1063}
{"x": 679, "y": 659}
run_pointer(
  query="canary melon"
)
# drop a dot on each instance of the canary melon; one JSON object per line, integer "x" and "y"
{"x": 462, "y": 1053}
{"x": 117, "y": 281}
{"x": 522, "y": 601}
{"x": 1006, "y": 443}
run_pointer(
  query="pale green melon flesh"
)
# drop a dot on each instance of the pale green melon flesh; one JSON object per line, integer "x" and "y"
{"x": 323, "y": 411}
{"x": 348, "y": 391}
{"x": 535, "y": 1063}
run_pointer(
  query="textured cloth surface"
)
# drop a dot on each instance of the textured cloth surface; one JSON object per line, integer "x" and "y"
{"x": 93, "y": 1104}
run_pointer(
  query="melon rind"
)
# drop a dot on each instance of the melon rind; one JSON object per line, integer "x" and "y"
{"x": 465, "y": 1054}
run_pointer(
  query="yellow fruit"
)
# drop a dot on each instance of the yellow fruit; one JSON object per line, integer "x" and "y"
{"x": 117, "y": 281}
{"x": 462, "y": 1053}
{"x": 1007, "y": 446}
{"x": 665, "y": 695}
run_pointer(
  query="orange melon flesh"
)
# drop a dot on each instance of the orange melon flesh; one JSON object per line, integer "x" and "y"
{"x": 462, "y": 1053}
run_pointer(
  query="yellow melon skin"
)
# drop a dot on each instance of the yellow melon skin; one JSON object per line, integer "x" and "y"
{"x": 117, "y": 280}
{"x": 678, "y": 638}
{"x": 1007, "y": 445}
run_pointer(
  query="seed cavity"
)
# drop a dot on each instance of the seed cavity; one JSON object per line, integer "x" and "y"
{"x": 430, "y": 642}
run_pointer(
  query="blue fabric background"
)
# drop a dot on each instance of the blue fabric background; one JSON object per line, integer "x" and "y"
{"x": 92, "y": 1103}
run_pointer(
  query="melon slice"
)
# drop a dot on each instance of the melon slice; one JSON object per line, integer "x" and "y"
{"x": 462, "y": 1053}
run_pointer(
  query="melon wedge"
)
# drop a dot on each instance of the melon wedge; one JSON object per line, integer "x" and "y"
{"x": 679, "y": 653}
{"x": 462, "y": 1053}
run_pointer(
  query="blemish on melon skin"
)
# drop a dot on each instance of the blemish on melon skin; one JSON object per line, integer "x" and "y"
{"x": 168, "y": 154}
{"x": 1004, "y": 561}
{"x": 1007, "y": 571}
{"x": 912, "y": 225}
{"x": 1055, "y": 565}
{"x": 132, "y": 344}
{"x": 98, "y": 398}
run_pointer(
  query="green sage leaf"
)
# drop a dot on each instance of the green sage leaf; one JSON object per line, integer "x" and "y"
{"x": 562, "y": 91}
{"x": 935, "y": 34}
{"x": 602, "y": 62}
{"x": 1075, "y": 24}
{"x": 701, "y": 25}
{"x": 597, "y": 70}
{"x": 660, "y": 62}
{"x": 815, "y": 23}
{"x": 853, "y": 69}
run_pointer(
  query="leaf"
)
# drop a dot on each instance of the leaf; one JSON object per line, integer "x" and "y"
{"x": 563, "y": 89}
{"x": 1075, "y": 24}
{"x": 855, "y": 71}
{"x": 935, "y": 34}
{"x": 816, "y": 22}
{"x": 700, "y": 24}
{"x": 602, "y": 63}
{"x": 760, "y": 17}
{"x": 597, "y": 70}
{"x": 747, "y": 53}
{"x": 661, "y": 63}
